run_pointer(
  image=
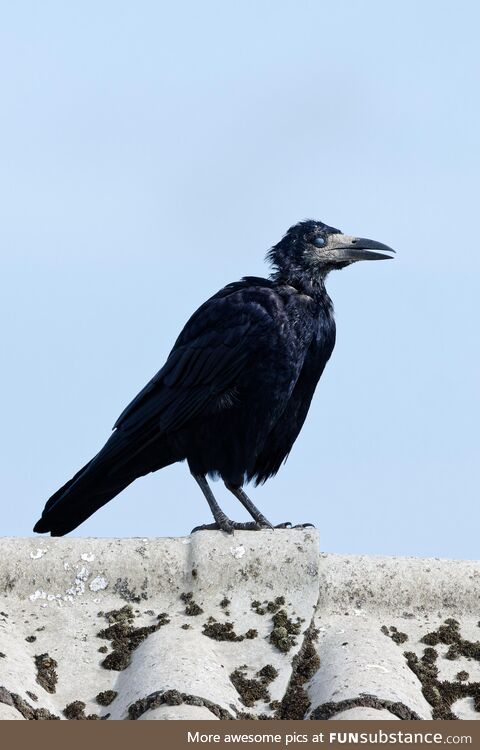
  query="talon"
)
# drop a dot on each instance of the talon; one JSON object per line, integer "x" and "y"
{"x": 284, "y": 525}
{"x": 264, "y": 524}
{"x": 206, "y": 527}
{"x": 304, "y": 526}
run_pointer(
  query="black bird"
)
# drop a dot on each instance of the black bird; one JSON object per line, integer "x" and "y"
{"x": 234, "y": 392}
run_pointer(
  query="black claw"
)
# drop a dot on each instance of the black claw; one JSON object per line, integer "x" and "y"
{"x": 304, "y": 526}
{"x": 206, "y": 527}
{"x": 284, "y": 525}
{"x": 264, "y": 524}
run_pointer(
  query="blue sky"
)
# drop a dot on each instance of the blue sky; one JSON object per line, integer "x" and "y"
{"x": 151, "y": 153}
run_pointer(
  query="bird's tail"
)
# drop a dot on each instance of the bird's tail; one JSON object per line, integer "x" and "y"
{"x": 98, "y": 482}
{"x": 78, "y": 499}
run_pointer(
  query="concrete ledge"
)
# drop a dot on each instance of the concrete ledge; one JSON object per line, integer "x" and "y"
{"x": 213, "y": 626}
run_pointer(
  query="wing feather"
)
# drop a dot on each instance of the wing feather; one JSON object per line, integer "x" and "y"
{"x": 213, "y": 351}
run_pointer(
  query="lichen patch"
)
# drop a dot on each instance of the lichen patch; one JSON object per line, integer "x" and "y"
{"x": 124, "y": 637}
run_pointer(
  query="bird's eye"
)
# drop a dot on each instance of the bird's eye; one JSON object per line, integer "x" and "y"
{"x": 319, "y": 241}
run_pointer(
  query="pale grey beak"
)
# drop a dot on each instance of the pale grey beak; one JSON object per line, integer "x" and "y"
{"x": 347, "y": 248}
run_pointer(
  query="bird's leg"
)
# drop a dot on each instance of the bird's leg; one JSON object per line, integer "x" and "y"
{"x": 222, "y": 522}
{"x": 248, "y": 505}
{"x": 255, "y": 513}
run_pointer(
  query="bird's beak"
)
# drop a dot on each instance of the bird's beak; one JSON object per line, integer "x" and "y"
{"x": 347, "y": 248}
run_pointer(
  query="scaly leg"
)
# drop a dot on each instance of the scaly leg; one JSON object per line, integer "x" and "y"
{"x": 248, "y": 505}
{"x": 241, "y": 495}
{"x": 222, "y": 522}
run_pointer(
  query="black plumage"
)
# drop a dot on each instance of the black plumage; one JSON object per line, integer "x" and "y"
{"x": 234, "y": 392}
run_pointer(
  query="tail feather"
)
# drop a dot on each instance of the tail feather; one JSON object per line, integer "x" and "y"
{"x": 56, "y": 495}
{"x": 116, "y": 466}
{"x": 78, "y": 499}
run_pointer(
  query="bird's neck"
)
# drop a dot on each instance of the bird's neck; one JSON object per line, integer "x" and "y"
{"x": 310, "y": 284}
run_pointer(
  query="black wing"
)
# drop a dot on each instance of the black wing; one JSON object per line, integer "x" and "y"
{"x": 217, "y": 347}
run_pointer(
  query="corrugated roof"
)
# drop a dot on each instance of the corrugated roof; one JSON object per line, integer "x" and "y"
{"x": 216, "y": 626}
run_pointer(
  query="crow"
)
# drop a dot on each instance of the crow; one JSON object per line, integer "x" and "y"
{"x": 235, "y": 390}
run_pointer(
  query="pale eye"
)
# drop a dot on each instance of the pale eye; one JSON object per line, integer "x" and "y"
{"x": 319, "y": 241}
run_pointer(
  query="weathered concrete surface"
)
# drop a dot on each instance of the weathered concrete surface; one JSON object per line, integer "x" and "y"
{"x": 328, "y": 636}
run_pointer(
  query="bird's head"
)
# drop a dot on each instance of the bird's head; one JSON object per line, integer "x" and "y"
{"x": 313, "y": 248}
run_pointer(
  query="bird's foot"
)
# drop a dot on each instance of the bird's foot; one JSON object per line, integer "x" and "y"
{"x": 206, "y": 527}
{"x": 304, "y": 526}
{"x": 288, "y": 525}
{"x": 230, "y": 526}
{"x": 263, "y": 523}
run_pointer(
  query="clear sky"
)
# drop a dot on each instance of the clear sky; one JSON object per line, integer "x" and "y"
{"x": 152, "y": 152}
